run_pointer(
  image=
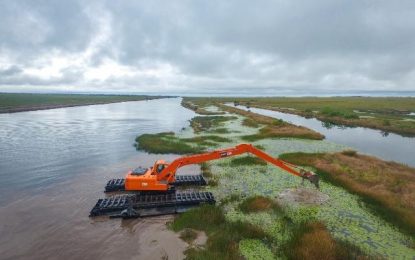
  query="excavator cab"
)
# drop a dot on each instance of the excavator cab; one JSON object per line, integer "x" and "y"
{"x": 159, "y": 166}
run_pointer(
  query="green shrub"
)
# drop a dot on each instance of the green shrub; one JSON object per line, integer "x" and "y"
{"x": 164, "y": 143}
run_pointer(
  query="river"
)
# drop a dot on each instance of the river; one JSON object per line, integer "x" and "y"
{"x": 388, "y": 146}
{"x": 53, "y": 168}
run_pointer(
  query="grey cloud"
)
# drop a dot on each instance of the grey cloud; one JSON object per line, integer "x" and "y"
{"x": 10, "y": 71}
{"x": 214, "y": 46}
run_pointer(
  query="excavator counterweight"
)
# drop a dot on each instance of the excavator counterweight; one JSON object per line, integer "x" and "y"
{"x": 154, "y": 187}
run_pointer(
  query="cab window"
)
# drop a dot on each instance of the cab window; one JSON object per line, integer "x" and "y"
{"x": 160, "y": 167}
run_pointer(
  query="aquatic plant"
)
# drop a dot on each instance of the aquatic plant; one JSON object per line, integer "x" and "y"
{"x": 168, "y": 142}
{"x": 247, "y": 160}
{"x": 206, "y": 123}
{"x": 250, "y": 123}
{"x": 163, "y": 143}
{"x": 252, "y": 249}
{"x": 206, "y": 138}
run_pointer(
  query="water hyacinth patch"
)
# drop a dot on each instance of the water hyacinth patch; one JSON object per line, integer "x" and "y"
{"x": 254, "y": 249}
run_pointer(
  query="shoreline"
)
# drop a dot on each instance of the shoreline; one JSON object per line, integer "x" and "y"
{"x": 47, "y": 107}
{"x": 38, "y": 102}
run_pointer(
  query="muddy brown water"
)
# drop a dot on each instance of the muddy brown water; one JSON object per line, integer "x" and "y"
{"x": 46, "y": 216}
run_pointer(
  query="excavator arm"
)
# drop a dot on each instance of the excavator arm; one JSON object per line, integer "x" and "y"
{"x": 169, "y": 172}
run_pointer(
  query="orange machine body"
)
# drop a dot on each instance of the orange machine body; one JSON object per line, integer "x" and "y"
{"x": 147, "y": 181}
{"x": 161, "y": 176}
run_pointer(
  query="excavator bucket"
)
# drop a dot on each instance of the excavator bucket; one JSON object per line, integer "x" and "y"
{"x": 311, "y": 177}
{"x": 314, "y": 179}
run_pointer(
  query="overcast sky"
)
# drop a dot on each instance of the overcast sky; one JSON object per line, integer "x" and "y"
{"x": 281, "y": 47}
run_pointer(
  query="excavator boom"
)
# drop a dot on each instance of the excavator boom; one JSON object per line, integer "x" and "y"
{"x": 169, "y": 172}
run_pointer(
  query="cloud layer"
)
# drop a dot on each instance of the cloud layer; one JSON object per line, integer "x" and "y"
{"x": 279, "y": 47}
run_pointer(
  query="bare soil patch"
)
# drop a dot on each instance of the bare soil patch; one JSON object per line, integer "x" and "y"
{"x": 302, "y": 196}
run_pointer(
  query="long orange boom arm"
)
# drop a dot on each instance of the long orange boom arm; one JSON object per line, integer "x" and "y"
{"x": 170, "y": 171}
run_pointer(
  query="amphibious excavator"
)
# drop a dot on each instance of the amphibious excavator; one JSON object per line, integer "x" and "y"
{"x": 152, "y": 191}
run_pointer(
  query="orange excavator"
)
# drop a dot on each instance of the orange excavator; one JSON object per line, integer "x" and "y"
{"x": 154, "y": 188}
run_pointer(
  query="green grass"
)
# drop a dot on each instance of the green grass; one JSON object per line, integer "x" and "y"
{"x": 163, "y": 143}
{"x": 329, "y": 111}
{"x": 247, "y": 160}
{"x": 231, "y": 198}
{"x": 206, "y": 138}
{"x": 385, "y": 105}
{"x": 206, "y": 123}
{"x": 10, "y": 102}
{"x": 167, "y": 142}
{"x": 207, "y": 174}
{"x": 220, "y": 131}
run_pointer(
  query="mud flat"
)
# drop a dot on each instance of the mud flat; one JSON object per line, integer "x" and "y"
{"x": 302, "y": 196}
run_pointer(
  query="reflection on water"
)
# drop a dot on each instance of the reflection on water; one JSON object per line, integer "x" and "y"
{"x": 382, "y": 144}
{"x": 43, "y": 147}
{"x": 53, "y": 167}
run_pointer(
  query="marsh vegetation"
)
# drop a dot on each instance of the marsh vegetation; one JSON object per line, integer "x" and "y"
{"x": 387, "y": 187}
{"x": 391, "y": 114}
{"x": 210, "y": 123}
{"x": 168, "y": 142}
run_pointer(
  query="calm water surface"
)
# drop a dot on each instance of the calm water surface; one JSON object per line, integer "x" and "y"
{"x": 43, "y": 147}
{"x": 387, "y": 146}
{"x": 53, "y": 167}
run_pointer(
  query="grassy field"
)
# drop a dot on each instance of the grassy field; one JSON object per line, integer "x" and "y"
{"x": 10, "y": 102}
{"x": 390, "y": 114}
